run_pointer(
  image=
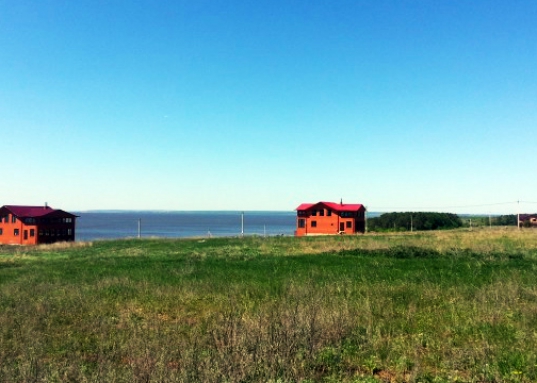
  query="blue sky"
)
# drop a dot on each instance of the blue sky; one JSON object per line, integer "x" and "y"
{"x": 263, "y": 105}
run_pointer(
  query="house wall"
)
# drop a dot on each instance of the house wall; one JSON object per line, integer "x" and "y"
{"x": 17, "y": 233}
{"x": 42, "y": 233}
{"x": 318, "y": 225}
{"x": 56, "y": 232}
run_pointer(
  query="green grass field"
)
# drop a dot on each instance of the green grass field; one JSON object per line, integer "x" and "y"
{"x": 448, "y": 306}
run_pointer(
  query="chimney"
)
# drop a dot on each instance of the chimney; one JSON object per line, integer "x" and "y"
{"x": 46, "y": 205}
{"x": 341, "y": 201}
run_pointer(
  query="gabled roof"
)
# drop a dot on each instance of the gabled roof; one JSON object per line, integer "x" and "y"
{"x": 332, "y": 205}
{"x": 34, "y": 211}
{"x": 304, "y": 206}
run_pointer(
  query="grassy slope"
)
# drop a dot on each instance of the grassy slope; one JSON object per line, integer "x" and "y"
{"x": 443, "y": 306}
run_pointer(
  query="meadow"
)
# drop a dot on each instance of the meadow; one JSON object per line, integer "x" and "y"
{"x": 442, "y": 306}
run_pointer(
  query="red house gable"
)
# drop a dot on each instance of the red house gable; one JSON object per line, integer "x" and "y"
{"x": 330, "y": 218}
{"x": 332, "y": 205}
{"x": 32, "y": 225}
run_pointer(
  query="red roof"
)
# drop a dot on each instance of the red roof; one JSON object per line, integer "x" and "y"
{"x": 304, "y": 206}
{"x": 332, "y": 205}
{"x": 33, "y": 211}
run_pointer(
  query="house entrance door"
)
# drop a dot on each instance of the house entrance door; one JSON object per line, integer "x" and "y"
{"x": 342, "y": 226}
{"x": 25, "y": 235}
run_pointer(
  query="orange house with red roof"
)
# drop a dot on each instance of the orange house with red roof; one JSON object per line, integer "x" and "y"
{"x": 324, "y": 218}
{"x": 33, "y": 225}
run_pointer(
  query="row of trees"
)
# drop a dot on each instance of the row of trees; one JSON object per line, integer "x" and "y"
{"x": 501, "y": 220}
{"x": 414, "y": 221}
{"x": 437, "y": 221}
{"x": 504, "y": 220}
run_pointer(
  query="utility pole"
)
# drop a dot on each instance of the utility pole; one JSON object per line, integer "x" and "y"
{"x": 242, "y": 224}
{"x": 518, "y": 215}
{"x": 365, "y": 219}
{"x": 411, "y": 228}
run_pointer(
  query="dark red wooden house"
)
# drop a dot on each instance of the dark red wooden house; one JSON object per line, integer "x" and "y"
{"x": 329, "y": 218}
{"x": 33, "y": 225}
{"x": 528, "y": 220}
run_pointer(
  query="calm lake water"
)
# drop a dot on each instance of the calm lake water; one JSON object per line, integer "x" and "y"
{"x": 112, "y": 225}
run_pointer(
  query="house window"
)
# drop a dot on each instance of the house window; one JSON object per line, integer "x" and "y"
{"x": 321, "y": 212}
{"x": 32, "y": 232}
{"x": 69, "y": 231}
{"x": 313, "y": 223}
{"x": 1, "y": 231}
{"x": 13, "y": 219}
{"x": 16, "y": 232}
{"x": 301, "y": 223}
{"x": 314, "y": 213}
{"x": 328, "y": 212}
{"x": 349, "y": 224}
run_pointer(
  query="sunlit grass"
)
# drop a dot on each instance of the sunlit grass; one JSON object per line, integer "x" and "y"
{"x": 440, "y": 306}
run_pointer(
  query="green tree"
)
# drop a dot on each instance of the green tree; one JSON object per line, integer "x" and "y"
{"x": 415, "y": 221}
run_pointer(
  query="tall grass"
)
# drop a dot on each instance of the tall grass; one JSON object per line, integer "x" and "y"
{"x": 439, "y": 307}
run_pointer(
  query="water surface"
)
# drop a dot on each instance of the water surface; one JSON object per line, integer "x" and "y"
{"x": 125, "y": 224}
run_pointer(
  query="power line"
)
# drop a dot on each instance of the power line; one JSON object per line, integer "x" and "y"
{"x": 384, "y": 208}
{"x": 452, "y": 206}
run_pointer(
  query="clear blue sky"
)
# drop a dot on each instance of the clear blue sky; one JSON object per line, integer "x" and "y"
{"x": 262, "y": 105}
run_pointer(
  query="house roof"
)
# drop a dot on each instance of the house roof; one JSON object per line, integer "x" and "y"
{"x": 332, "y": 205}
{"x": 34, "y": 211}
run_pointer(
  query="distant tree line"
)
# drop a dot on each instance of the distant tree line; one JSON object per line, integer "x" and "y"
{"x": 505, "y": 220}
{"x": 481, "y": 220}
{"x": 414, "y": 221}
